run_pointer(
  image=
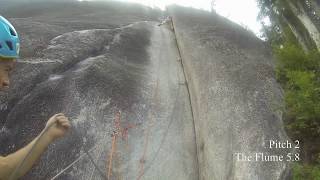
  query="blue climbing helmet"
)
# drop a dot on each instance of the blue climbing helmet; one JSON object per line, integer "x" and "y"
{"x": 9, "y": 40}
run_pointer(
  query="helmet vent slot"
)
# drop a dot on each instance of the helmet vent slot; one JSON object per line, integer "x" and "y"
{"x": 12, "y": 32}
{"x": 9, "y": 44}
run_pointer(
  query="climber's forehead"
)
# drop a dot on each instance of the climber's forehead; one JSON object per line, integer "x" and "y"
{"x": 7, "y": 63}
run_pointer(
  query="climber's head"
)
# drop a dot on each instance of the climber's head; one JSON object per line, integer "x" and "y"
{"x": 9, "y": 51}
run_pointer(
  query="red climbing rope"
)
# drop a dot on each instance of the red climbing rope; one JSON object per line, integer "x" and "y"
{"x": 119, "y": 131}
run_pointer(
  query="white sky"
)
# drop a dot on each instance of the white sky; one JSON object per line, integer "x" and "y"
{"x": 243, "y": 12}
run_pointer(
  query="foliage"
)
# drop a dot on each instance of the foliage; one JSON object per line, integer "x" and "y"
{"x": 298, "y": 70}
{"x": 299, "y": 73}
{"x": 303, "y": 172}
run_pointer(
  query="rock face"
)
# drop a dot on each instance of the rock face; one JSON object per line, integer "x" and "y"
{"x": 145, "y": 101}
{"x": 235, "y": 98}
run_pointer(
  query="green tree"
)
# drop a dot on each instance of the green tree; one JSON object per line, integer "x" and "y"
{"x": 300, "y": 16}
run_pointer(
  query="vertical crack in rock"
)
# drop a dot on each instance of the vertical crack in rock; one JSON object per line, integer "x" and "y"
{"x": 187, "y": 86}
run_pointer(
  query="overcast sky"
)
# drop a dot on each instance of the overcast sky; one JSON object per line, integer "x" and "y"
{"x": 243, "y": 12}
